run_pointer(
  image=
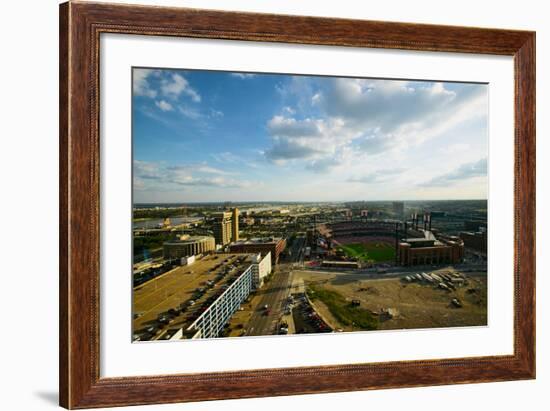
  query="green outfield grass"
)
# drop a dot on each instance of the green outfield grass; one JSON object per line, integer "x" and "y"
{"x": 372, "y": 252}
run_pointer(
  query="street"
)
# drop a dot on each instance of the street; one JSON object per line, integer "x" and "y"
{"x": 275, "y": 293}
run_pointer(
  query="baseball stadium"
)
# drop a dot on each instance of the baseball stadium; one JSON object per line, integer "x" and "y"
{"x": 369, "y": 242}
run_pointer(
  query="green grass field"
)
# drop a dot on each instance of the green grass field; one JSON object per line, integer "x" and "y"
{"x": 342, "y": 309}
{"x": 372, "y": 252}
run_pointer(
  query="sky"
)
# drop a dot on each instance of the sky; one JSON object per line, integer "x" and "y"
{"x": 207, "y": 136}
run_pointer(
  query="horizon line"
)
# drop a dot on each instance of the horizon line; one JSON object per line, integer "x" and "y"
{"x": 298, "y": 201}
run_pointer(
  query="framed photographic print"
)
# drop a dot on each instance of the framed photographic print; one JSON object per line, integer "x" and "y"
{"x": 259, "y": 205}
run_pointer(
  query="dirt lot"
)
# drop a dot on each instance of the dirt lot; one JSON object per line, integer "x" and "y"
{"x": 412, "y": 305}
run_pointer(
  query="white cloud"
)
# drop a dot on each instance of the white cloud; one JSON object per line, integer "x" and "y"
{"x": 371, "y": 117}
{"x": 312, "y": 139}
{"x": 170, "y": 85}
{"x": 199, "y": 168}
{"x": 377, "y": 143}
{"x": 157, "y": 176}
{"x": 194, "y": 113}
{"x": 141, "y": 86}
{"x": 243, "y": 75}
{"x": 147, "y": 170}
{"x": 289, "y": 110}
{"x": 227, "y": 157}
{"x": 455, "y": 148}
{"x": 164, "y": 105}
{"x": 190, "y": 112}
{"x": 378, "y": 176}
{"x": 175, "y": 85}
{"x": 290, "y": 127}
{"x": 463, "y": 172}
{"x": 219, "y": 182}
{"x": 215, "y": 113}
{"x": 386, "y": 104}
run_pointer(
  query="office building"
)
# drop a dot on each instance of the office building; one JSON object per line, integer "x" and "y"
{"x": 260, "y": 245}
{"x": 398, "y": 208}
{"x": 235, "y": 225}
{"x": 223, "y": 227}
{"x": 226, "y": 226}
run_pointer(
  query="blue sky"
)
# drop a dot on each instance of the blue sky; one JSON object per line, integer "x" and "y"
{"x": 218, "y": 136}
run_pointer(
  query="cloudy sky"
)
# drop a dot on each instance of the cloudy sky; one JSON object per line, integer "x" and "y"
{"x": 217, "y": 136}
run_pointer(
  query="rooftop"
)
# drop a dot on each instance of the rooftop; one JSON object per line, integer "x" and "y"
{"x": 192, "y": 239}
{"x": 262, "y": 240}
{"x": 419, "y": 240}
{"x": 201, "y": 282}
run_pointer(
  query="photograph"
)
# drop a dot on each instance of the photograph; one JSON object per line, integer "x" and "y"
{"x": 271, "y": 204}
{"x": 275, "y": 205}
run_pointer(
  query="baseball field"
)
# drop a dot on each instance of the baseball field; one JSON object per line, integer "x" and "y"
{"x": 370, "y": 251}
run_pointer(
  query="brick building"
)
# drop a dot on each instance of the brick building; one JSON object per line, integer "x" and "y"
{"x": 426, "y": 251}
{"x": 475, "y": 241}
{"x": 260, "y": 245}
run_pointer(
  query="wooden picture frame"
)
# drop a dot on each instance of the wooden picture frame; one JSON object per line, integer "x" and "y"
{"x": 80, "y": 27}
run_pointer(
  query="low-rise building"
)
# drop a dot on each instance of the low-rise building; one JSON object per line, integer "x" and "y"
{"x": 261, "y": 268}
{"x": 475, "y": 240}
{"x": 260, "y": 245}
{"x": 340, "y": 264}
{"x": 187, "y": 246}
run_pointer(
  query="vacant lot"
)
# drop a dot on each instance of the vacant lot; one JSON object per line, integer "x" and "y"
{"x": 369, "y": 252}
{"x": 411, "y": 305}
{"x": 343, "y": 310}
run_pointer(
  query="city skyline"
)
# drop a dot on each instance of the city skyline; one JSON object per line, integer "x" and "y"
{"x": 203, "y": 136}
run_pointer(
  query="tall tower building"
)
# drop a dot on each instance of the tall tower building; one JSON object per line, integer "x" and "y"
{"x": 235, "y": 225}
{"x": 223, "y": 227}
{"x": 398, "y": 208}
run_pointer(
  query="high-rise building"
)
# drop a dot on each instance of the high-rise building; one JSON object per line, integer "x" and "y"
{"x": 235, "y": 225}
{"x": 223, "y": 227}
{"x": 226, "y": 226}
{"x": 398, "y": 208}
